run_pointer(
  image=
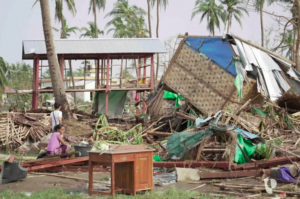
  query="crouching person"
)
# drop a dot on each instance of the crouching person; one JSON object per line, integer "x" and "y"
{"x": 57, "y": 145}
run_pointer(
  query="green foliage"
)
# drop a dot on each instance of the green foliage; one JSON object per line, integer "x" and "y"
{"x": 61, "y": 194}
{"x": 162, "y": 3}
{"x": 17, "y": 72}
{"x": 276, "y": 142}
{"x": 117, "y": 136}
{"x": 3, "y": 70}
{"x": 100, "y": 4}
{"x": 128, "y": 21}
{"x": 68, "y": 30}
{"x": 90, "y": 31}
{"x": 234, "y": 10}
{"x": 265, "y": 152}
{"x": 79, "y": 72}
{"x": 211, "y": 11}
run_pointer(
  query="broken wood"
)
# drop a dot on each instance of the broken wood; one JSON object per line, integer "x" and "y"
{"x": 165, "y": 134}
{"x": 182, "y": 115}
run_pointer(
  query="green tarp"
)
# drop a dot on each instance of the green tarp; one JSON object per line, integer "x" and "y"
{"x": 179, "y": 143}
{"x": 170, "y": 95}
{"x": 116, "y": 102}
{"x": 248, "y": 147}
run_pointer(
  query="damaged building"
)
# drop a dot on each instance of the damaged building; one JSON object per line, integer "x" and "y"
{"x": 222, "y": 73}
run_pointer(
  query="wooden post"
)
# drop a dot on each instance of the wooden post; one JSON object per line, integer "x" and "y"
{"x": 62, "y": 67}
{"x": 121, "y": 73}
{"x": 111, "y": 76}
{"x": 84, "y": 70}
{"x": 145, "y": 82}
{"x": 152, "y": 72}
{"x": 97, "y": 75}
{"x": 102, "y": 71}
{"x": 138, "y": 69}
{"x": 107, "y": 87}
{"x": 35, "y": 93}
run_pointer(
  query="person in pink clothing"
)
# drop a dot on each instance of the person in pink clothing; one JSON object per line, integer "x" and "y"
{"x": 57, "y": 145}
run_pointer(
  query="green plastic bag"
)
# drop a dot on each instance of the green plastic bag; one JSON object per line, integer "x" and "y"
{"x": 156, "y": 158}
{"x": 238, "y": 82}
{"x": 248, "y": 147}
{"x": 170, "y": 95}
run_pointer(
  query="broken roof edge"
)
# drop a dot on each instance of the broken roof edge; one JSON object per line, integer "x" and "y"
{"x": 276, "y": 56}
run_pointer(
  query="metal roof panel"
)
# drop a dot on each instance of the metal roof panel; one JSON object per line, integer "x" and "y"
{"x": 97, "y": 46}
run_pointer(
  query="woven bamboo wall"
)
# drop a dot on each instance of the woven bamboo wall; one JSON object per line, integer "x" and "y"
{"x": 160, "y": 106}
{"x": 201, "y": 82}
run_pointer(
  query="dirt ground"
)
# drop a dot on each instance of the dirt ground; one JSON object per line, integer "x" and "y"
{"x": 35, "y": 183}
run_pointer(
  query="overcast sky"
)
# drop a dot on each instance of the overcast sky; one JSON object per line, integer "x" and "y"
{"x": 19, "y": 21}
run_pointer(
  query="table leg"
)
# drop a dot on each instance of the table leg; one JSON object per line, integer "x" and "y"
{"x": 113, "y": 179}
{"x": 90, "y": 177}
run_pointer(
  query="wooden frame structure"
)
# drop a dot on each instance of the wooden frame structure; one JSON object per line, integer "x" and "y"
{"x": 103, "y": 83}
{"x": 104, "y": 51}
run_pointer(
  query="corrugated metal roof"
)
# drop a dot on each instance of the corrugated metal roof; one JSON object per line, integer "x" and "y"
{"x": 97, "y": 46}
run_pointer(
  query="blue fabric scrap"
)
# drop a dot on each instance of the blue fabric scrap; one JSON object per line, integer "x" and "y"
{"x": 245, "y": 134}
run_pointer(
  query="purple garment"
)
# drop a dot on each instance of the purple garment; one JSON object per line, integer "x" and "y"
{"x": 284, "y": 174}
{"x": 54, "y": 144}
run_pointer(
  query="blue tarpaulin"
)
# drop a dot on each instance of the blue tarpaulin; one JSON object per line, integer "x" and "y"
{"x": 216, "y": 49}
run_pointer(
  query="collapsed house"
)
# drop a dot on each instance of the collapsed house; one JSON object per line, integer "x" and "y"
{"x": 215, "y": 73}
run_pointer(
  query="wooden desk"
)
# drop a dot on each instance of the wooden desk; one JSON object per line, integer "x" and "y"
{"x": 131, "y": 170}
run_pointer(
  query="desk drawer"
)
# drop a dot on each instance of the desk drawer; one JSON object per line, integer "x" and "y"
{"x": 100, "y": 158}
{"x": 123, "y": 158}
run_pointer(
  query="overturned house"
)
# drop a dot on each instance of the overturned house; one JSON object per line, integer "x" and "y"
{"x": 215, "y": 73}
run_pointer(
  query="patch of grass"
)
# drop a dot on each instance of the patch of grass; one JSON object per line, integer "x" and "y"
{"x": 59, "y": 193}
{"x": 104, "y": 178}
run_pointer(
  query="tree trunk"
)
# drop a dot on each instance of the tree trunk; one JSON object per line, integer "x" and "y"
{"x": 73, "y": 82}
{"x": 56, "y": 80}
{"x": 262, "y": 24}
{"x": 157, "y": 35}
{"x": 229, "y": 16}
{"x": 149, "y": 18}
{"x": 95, "y": 36}
{"x": 95, "y": 19}
{"x": 63, "y": 30}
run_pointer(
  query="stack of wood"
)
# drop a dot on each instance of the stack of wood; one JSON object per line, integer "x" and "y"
{"x": 18, "y": 127}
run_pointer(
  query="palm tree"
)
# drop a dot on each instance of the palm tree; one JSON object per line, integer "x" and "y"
{"x": 234, "y": 9}
{"x": 211, "y": 11}
{"x": 59, "y": 16}
{"x": 128, "y": 21}
{"x": 18, "y": 71}
{"x": 90, "y": 31}
{"x": 56, "y": 80}
{"x": 94, "y": 4}
{"x": 122, "y": 10}
{"x": 68, "y": 30}
{"x": 259, "y": 7}
{"x": 140, "y": 29}
{"x": 120, "y": 29}
{"x": 288, "y": 44}
{"x": 3, "y": 79}
{"x": 159, "y": 3}
{"x": 149, "y": 17}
